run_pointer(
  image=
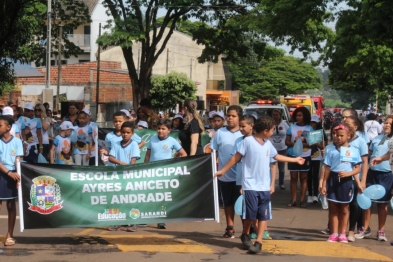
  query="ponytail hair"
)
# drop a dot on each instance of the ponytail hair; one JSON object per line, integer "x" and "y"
{"x": 192, "y": 108}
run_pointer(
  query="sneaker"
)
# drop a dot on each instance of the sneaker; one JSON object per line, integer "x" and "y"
{"x": 229, "y": 233}
{"x": 363, "y": 233}
{"x": 266, "y": 235}
{"x": 282, "y": 187}
{"x": 343, "y": 238}
{"x": 142, "y": 225}
{"x": 309, "y": 199}
{"x": 113, "y": 228}
{"x": 315, "y": 199}
{"x": 326, "y": 231}
{"x": 333, "y": 238}
{"x": 253, "y": 235}
{"x": 246, "y": 241}
{"x": 161, "y": 225}
{"x": 351, "y": 238}
{"x": 256, "y": 248}
{"x": 381, "y": 236}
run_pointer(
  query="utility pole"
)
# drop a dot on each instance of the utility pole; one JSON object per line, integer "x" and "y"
{"x": 191, "y": 68}
{"x": 98, "y": 73}
{"x": 48, "y": 44}
{"x": 59, "y": 68}
{"x": 167, "y": 59}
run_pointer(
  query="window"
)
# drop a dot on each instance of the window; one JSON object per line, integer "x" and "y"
{"x": 70, "y": 33}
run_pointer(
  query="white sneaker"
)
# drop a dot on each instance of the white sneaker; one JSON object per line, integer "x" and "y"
{"x": 309, "y": 199}
{"x": 381, "y": 236}
{"x": 315, "y": 199}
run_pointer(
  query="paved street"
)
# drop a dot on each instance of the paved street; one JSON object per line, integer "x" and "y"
{"x": 295, "y": 231}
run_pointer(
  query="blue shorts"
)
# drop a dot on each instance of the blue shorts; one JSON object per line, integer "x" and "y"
{"x": 295, "y": 167}
{"x": 384, "y": 179}
{"x": 8, "y": 188}
{"x": 229, "y": 192}
{"x": 339, "y": 191}
{"x": 256, "y": 205}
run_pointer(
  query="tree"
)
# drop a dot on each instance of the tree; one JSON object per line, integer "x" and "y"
{"x": 136, "y": 21}
{"x": 274, "y": 75}
{"x": 169, "y": 90}
{"x": 23, "y": 27}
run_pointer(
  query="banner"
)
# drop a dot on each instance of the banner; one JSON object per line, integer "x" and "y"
{"x": 146, "y": 134}
{"x": 180, "y": 189}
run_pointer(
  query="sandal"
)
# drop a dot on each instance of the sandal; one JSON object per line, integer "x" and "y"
{"x": 293, "y": 204}
{"x": 9, "y": 242}
{"x": 303, "y": 204}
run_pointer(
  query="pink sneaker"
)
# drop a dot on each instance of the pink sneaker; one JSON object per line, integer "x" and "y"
{"x": 333, "y": 238}
{"x": 343, "y": 238}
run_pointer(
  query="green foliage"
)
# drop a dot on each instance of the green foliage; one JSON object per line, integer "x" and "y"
{"x": 272, "y": 76}
{"x": 6, "y": 88}
{"x": 169, "y": 90}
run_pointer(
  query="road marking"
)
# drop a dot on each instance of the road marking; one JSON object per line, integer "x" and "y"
{"x": 85, "y": 232}
{"x": 155, "y": 243}
{"x": 320, "y": 249}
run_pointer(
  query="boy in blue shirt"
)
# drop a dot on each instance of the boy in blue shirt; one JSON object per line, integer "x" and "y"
{"x": 161, "y": 146}
{"x": 11, "y": 148}
{"x": 255, "y": 152}
{"x": 126, "y": 151}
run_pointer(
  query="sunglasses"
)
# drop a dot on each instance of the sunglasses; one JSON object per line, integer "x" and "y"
{"x": 37, "y": 109}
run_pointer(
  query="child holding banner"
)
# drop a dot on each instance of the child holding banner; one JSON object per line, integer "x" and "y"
{"x": 161, "y": 146}
{"x": 255, "y": 152}
{"x": 111, "y": 138}
{"x": 11, "y": 149}
{"x": 83, "y": 145}
{"x": 224, "y": 142}
{"x": 340, "y": 167}
{"x": 61, "y": 151}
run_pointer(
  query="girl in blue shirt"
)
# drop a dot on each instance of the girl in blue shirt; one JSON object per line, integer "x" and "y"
{"x": 11, "y": 148}
{"x": 338, "y": 182}
{"x": 380, "y": 174}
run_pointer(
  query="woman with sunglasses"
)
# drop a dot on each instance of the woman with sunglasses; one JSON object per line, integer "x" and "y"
{"x": 278, "y": 141}
{"x": 40, "y": 113}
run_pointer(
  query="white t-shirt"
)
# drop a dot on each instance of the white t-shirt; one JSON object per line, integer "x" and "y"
{"x": 256, "y": 163}
{"x": 296, "y": 131}
{"x": 279, "y": 135}
{"x": 373, "y": 128}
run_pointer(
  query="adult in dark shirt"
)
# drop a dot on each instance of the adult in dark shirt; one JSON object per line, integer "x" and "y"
{"x": 190, "y": 137}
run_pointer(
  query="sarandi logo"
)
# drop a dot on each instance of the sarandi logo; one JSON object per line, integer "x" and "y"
{"x": 134, "y": 213}
{"x": 45, "y": 195}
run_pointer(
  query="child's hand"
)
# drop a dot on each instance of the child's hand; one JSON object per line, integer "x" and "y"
{"x": 343, "y": 174}
{"x": 103, "y": 151}
{"x": 87, "y": 156}
{"x": 219, "y": 173}
{"x": 271, "y": 189}
{"x": 360, "y": 188}
{"x": 322, "y": 152}
{"x": 300, "y": 160}
{"x": 376, "y": 161}
{"x": 15, "y": 176}
{"x": 323, "y": 190}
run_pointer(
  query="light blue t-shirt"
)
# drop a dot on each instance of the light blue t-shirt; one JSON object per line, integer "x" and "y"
{"x": 256, "y": 163}
{"x": 361, "y": 146}
{"x": 126, "y": 153}
{"x": 239, "y": 165}
{"x": 332, "y": 159}
{"x": 9, "y": 151}
{"x": 224, "y": 142}
{"x": 161, "y": 149}
{"x": 14, "y": 130}
{"x": 379, "y": 149}
{"x": 84, "y": 136}
{"x": 364, "y": 136}
{"x": 296, "y": 131}
{"x": 112, "y": 138}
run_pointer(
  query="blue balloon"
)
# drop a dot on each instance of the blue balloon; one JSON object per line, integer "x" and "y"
{"x": 239, "y": 205}
{"x": 374, "y": 192}
{"x": 363, "y": 201}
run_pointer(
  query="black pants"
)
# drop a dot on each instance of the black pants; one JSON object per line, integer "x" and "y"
{"x": 313, "y": 178}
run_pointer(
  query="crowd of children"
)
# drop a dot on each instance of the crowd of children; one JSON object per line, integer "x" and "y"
{"x": 247, "y": 157}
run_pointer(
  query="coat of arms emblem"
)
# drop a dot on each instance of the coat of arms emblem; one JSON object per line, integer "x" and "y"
{"x": 45, "y": 195}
